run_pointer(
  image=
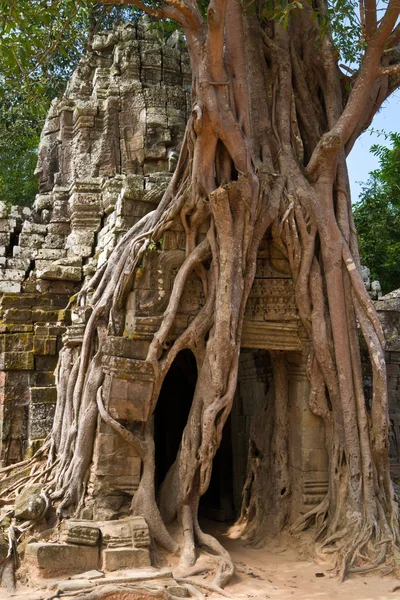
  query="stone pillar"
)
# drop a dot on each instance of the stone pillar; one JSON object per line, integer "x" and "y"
{"x": 388, "y": 308}
{"x": 308, "y": 456}
{"x": 86, "y": 212}
{"x": 254, "y": 374}
{"x": 127, "y": 393}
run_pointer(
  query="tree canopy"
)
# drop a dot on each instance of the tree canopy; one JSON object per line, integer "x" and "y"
{"x": 377, "y": 216}
{"x": 41, "y": 42}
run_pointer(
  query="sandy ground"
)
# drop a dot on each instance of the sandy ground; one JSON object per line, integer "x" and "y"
{"x": 276, "y": 572}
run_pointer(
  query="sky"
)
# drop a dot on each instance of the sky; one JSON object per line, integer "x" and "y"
{"x": 360, "y": 160}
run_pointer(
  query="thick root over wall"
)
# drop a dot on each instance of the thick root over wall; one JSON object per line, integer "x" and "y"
{"x": 264, "y": 149}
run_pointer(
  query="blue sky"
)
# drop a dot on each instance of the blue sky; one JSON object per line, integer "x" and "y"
{"x": 360, "y": 161}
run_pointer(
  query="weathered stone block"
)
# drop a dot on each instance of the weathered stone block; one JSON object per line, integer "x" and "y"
{"x": 58, "y": 272}
{"x": 45, "y": 363}
{"x": 54, "y": 240}
{"x": 126, "y": 347}
{"x": 68, "y": 586}
{"x": 16, "y": 315}
{"x": 127, "y": 390}
{"x": 12, "y": 274}
{"x": 44, "y": 345}
{"x": 4, "y": 239}
{"x": 16, "y": 342}
{"x": 59, "y": 228}
{"x": 41, "y": 379}
{"x": 41, "y": 420}
{"x": 125, "y": 533}
{"x": 125, "y": 558}
{"x": 82, "y": 532}
{"x": 177, "y": 591}
{"x": 21, "y": 264}
{"x": 115, "y": 462}
{"x": 16, "y": 361}
{"x": 31, "y": 240}
{"x": 43, "y": 395}
{"x": 52, "y": 560}
{"x": 29, "y": 227}
{"x": 129, "y": 400}
{"x": 44, "y": 316}
{"x": 10, "y": 287}
{"x": 51, "y": 254}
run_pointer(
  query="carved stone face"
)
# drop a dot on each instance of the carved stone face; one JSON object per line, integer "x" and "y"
{"x": 126, "y": 113}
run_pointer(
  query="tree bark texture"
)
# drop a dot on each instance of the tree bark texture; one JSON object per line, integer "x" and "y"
{"x": 265, "y": 148}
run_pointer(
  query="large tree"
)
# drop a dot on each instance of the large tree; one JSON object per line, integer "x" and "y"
{"x": 273, "y": 118}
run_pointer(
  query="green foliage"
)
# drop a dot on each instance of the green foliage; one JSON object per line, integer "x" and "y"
{"x": 343, "y": 19}
{"x": 41, "y": 42}
{"x": 280, "y": 11}
{"x": 19, "y": 138}
{"x": 377, "y": 217}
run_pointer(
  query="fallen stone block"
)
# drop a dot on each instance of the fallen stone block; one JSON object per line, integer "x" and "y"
{"x": 125, "y": 558}
{"x": 178, "y": 591}
{"x": 52, "y": 560}
{"x": 81, "y": 532}
{"x": 125, "y": 532}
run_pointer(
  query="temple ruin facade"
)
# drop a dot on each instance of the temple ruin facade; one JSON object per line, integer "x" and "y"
{"x": 107, "y": 152}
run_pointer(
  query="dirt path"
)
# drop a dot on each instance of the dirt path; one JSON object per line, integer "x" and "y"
{"x": 277, "y": 572}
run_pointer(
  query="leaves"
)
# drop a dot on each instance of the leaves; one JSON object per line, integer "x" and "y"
{"x": 41, "y": 42}
{"x": 377, "y": 217}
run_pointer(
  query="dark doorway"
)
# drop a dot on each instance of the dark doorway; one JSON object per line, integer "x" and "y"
{"x": 170, "y": 418}
{"x": 172, "y": 411}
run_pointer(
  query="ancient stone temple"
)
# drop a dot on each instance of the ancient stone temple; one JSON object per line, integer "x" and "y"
{"x": 108, "y": 149}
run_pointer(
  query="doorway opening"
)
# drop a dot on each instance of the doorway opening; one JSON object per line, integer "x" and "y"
{"x": 172, "y": 411}
{"x": 222, "y": 501}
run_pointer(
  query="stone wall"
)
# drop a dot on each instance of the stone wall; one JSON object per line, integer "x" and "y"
{"x": 388, "y": 308}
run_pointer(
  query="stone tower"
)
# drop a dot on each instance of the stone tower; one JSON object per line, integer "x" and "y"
{"x": 107, "y": 151}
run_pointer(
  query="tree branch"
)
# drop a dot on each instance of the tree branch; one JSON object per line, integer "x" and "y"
{"x": 368, "y": 17}
{"x": 390, "y": 70}
{"x": 163, "y": 12}
{"x": 388, "y": 22}
{"x": 189, "y": 11}
{"x": 370, "y": 70}
{"x": 394, "y": 37}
